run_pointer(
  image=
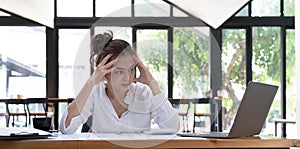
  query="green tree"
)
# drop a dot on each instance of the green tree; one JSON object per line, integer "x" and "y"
{"x": 190, "y": 52}
{"x": 190, "y": 57}
{"x": 266, "y": 63}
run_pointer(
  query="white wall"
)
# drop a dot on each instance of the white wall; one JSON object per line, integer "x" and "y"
{"x": 297, "y": 40}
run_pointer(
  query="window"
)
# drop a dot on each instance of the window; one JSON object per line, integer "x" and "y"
{"x": 243, "y": 12}
{"x": 22, "y": 61}
{"x": 265, "y": 8}
{"x": 75, "y": 8}
{"x": 266, "y": 64}
{"x": 290, "y": 80}
{"x": 289, "y": 7}
{"x": 152, "y": 48}
{"x": 190, "y": 64}
{"x": 113, "y": 8}
{"x": 233, "y": 72}
{"x": 74, "y": 63}
{"x": 3, "y": 14}
{"x": 178, "y": 13}
{"x": 264, "y": 43}
{"x": 124, "y": 33}
{"x": 153, "y": 8}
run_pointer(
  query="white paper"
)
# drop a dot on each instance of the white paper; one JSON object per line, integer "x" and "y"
{"x": 159, "y": 132}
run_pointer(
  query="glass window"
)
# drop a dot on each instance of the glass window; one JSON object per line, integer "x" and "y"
{"x": 289, "y": 8}
{"x": 266, "y": 67}
{"x": 113, "y": 8}
{"x": 4, "y": 14}
{"x": 22, "y": 61}
{"x": 262, "y": 8}
{"x": 75, "y": 8}
{"x": 152, "y": 49}
{"x": 178, "y": 13}
{"x": 74, "y": 64}
{"x": 290, "y": 81}
{"x": 190, "y": 60}
{"x": 155, "y": 8}
{"x": 243, "y": 12}
{"x": 233, "y": 72}
{"x": 124, "y": 33}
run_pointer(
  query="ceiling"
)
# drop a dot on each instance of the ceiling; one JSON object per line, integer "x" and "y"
{"x": 213, "y": 12}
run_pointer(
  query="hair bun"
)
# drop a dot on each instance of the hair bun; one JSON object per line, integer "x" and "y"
{"x": 100, "y": 41}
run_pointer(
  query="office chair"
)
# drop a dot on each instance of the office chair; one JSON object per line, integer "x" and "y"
{"x": 200, "y": 115}
{"x": 16, "y": 107}
{"x": 87, "y": 125}
{"x": 37, "y": 107}
{"x": 183, "y": 107}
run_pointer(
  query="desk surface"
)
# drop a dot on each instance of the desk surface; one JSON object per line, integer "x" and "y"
{"x": 90, "y": 141}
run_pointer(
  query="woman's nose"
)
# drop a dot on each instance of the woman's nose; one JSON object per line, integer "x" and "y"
{"x": 126, "y": 76}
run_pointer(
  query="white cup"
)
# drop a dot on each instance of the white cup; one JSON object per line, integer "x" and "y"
{"x": 220, "y": 94}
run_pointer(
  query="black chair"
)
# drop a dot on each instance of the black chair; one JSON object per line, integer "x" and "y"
{"x": 69, "y": 100}
{"x": 86, "y": 126}
{"x": 203, "y": 114}
{"x": 16, "y": 108}
{"x": 5, "y": 115}
{"x": 37, "y": 107}
{"x": 183, "y": 107}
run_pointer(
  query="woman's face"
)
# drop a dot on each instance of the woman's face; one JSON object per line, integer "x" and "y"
{"x": 122, "y": 76}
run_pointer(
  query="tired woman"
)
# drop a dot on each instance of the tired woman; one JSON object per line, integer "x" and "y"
{"x": 117, "y": 100}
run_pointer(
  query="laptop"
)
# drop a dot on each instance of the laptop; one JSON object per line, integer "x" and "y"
{"x": 20, "y": 133}
{"x": 251, "y": 114}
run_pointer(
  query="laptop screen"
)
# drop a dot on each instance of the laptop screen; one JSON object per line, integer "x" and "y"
{"x": 253, "y": 110}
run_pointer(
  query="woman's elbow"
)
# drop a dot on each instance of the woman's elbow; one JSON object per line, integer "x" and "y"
{"x": 173, "y": 123}
{"x": 176, "y": 123}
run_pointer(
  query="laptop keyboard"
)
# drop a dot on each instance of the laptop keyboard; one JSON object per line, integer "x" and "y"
{"x": 205, "y": 134}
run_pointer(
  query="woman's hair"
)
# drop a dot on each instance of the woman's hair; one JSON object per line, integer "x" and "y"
{"x": 104, "y": 44}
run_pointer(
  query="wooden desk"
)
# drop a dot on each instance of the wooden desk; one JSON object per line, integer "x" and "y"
{"x": 186, "y": 143}
{"x": 152, "y": 142}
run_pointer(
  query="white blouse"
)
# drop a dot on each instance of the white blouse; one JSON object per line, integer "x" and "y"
{"x": 142, "y": 108}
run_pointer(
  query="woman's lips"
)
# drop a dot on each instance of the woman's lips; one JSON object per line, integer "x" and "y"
{"x": 126, "y": 85}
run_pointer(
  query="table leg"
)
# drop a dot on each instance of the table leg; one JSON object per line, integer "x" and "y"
{"x": 276, "y": 129}
{"x": 56, "y": 108}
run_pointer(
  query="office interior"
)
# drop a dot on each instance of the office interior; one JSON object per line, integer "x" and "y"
{"x": 191, "y": 57}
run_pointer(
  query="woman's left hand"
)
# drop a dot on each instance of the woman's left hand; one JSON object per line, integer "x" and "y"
{"x": 145, "y": 75}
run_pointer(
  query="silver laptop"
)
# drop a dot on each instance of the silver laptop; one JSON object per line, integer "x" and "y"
{"x": 251, "y": 113}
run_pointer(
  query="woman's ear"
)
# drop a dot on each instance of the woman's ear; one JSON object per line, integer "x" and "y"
{"x": 107, "y": 77}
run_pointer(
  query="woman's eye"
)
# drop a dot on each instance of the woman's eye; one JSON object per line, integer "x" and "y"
{"x": 118, "y": 71}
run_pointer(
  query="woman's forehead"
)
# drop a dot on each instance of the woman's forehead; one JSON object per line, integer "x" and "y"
{"x": 125, "y": 61}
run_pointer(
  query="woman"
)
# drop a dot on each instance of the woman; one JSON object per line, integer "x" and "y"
{"x": 110, "y": 95}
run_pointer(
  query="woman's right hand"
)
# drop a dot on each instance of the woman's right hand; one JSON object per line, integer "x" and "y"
{"x": 102, "y": 69}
